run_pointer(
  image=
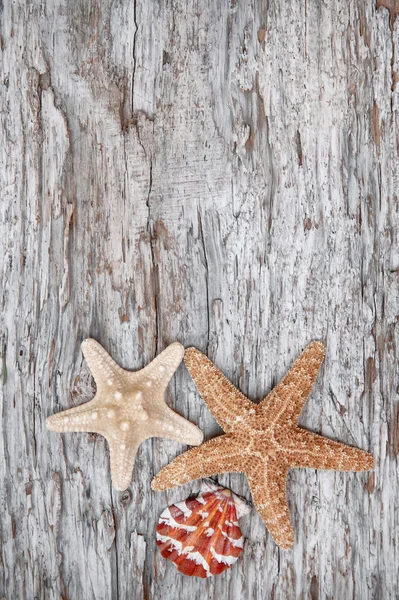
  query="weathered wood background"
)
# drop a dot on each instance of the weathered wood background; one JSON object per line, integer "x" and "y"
{"x": 222, "y": 174}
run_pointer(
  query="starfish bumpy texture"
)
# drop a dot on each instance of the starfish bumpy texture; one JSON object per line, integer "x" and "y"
{"x": 128, "y": 408}
{"x": 263, "y": 441}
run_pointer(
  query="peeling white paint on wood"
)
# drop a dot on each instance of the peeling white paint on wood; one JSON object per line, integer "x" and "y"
{"x": 223, "y": 174}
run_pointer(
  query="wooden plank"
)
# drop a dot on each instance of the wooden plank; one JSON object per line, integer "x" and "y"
{"x": 223, "y": 174}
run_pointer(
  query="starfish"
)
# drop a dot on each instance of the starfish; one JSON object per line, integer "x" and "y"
{"x": 128, "y": 408}
{"x": 263, "y": 441}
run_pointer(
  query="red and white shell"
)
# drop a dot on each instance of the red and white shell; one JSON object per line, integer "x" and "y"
{"x": 201, "y": 536}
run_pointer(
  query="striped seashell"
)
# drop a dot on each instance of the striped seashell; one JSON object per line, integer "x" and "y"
{"x": 201, "y": 536}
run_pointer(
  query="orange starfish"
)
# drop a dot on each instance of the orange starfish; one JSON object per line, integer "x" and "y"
{"x": 263, "y": 441}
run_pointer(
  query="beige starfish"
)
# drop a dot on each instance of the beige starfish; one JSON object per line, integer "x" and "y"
{"x": 128, "y": 408}
{"x": 264, "y": 441}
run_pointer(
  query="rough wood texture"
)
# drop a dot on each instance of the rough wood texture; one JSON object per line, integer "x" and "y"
{"x": 225, "y": 175}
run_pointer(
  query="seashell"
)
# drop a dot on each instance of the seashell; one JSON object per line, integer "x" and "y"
{"x": 201, "y": 536}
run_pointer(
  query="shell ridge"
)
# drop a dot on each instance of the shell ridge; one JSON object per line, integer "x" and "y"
{"x": 198, "y": 559}
{"x": 220, "y": 558}
{"x": 169, "y": 520}
{"x": 174, "y": 543}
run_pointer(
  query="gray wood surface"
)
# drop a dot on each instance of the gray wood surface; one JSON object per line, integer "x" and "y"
{"x": 224, "y": 174}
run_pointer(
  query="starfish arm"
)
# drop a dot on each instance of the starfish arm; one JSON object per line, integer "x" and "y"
{"x": 267, "y": 481}
{"x": 286, "y": 400}
{"x": 161, "y": 370}
{"x": 168, "y": 424}
{"x": 318, "y": 452}
{"x": 215, "y": 456}
{"x": 78, "y": 418}
{"x": 122, "y": 455}
{"x": 225, "y": 402}
{"x": 105, "y": 370}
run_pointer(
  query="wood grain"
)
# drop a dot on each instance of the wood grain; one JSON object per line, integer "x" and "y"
{"x": 224, "y": 174}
